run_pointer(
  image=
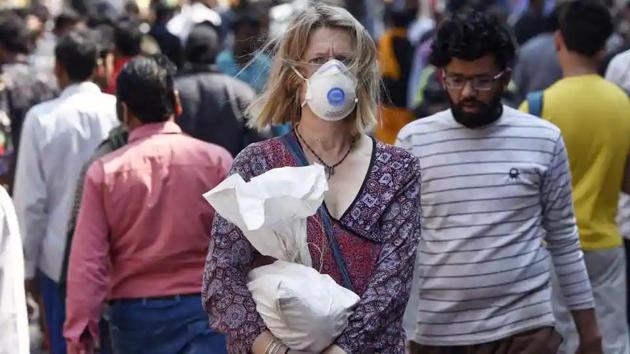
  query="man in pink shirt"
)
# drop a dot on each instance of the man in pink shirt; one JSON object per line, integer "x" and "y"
{"x": 142, "y": 231}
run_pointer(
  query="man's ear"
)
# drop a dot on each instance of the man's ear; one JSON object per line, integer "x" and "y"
{"x": 58, "y": 70}
{"x": 559, "y": 41}
{"x": 177, "y": 104}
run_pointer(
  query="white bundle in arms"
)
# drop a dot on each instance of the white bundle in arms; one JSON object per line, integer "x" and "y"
{"x": 304, "y": 309}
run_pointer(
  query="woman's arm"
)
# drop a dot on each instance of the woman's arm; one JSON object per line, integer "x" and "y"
{"x": 225, "y": 295}
{"x": 375, "y": 324}
{"x": 226, "y": 298}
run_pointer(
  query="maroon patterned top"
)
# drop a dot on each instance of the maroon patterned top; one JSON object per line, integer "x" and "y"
{"x": 377, "y": 235}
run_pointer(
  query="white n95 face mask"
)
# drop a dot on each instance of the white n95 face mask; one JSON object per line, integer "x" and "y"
{"x": 331, "y": 91}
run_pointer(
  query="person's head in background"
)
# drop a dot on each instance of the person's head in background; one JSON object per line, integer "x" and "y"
{"x": 400, "y": 14}
{"x": 314, "y": 37}
{"x": 15, "y": 40}
{"x": 132, "y": 10}
{"x": 162, "y": 12}
{"x": 474, "y": 52}
{"x": 250, "y": 28}
{"x": 623, "y": 23}
{"x": 202, "y": 47}
{"x": 127, "y": 39}
{"x": 36, "y": 19}
{"x": 142, "y": 80}
{"x": 105, "y": 65}
{"x": 67, "y": 21}
{"x": 551, "y": 21}
{"x": 211, "y": 4}
{"x": 537, "y": 6}
{"x": 584, "y": 28}
{"x": 76, "y": 57}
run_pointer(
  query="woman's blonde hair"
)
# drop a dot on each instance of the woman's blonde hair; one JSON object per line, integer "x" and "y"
{"x": 279, "y": 103}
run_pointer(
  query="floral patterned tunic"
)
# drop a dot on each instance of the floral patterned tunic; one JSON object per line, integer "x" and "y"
{"x": 377, "y": 235}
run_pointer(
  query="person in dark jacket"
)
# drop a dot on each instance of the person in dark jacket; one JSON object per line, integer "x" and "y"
{"x": 170, "y": 45}
{"x": 214, "y": 103}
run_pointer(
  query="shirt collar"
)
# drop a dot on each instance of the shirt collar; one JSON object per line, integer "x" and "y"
{"x": 150, "y": 129}
{"x": 85, "y": 86}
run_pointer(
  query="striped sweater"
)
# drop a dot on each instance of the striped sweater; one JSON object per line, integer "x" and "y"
{"x": 489, "y": 198}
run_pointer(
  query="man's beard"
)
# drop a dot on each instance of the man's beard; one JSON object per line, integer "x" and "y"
{"x": 487, "y": 113}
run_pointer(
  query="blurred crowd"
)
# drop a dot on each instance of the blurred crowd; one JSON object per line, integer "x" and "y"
{"x": 220, "y": 61}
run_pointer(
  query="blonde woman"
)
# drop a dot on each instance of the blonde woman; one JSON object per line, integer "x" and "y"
{"x": 325, "y": 83}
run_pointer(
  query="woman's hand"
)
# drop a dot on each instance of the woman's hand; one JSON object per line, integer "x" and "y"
{"x": 263, "y": 341}
{"x": 333, "y": 349}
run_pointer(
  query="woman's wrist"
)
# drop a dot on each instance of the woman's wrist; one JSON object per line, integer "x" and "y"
{"x": 266, "y": 343}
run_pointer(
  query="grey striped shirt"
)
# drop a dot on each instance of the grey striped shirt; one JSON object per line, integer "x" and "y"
{"x": 490, "y": 197}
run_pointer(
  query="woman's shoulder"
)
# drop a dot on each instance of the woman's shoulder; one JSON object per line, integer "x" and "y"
{"x": 260, "y": 157}
{"x": 396, "y": 161}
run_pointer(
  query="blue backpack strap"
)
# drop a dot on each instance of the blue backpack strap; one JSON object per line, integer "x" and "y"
{"x": 535, "y": 103}
{"x": 291, "y": 142}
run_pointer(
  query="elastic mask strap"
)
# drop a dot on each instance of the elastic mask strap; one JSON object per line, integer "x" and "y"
{"x": 307, "y": 84}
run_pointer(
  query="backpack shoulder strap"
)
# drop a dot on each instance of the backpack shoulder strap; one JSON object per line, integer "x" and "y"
{"x": 535, "y": 103}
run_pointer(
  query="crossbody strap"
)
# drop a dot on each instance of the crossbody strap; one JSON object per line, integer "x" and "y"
{"x": 290, "y": 141}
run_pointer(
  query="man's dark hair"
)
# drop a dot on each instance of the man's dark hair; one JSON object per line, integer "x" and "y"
{"x": 14, "y": 35}
{"x": 202, "y": 45}
{"x": 246, "y": 18}
{"x": 40, "y": 11}
{"x": 67, "y": 18}
{"x": 471, "y": 35}
{"x": 146, "y": 86}
{"x": 78, "y": 52}
{"x": 551, "y": 21}
{"x": 585, "y": 26}
{"x": 128, "y": 38}
{"x": 163, "y": 11}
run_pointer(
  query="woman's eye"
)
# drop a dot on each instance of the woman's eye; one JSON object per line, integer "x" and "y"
{"x": 318, "y": 60}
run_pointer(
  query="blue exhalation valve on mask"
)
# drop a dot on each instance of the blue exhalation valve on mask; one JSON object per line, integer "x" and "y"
{"x": 336, "y": 96}
{"x": 331, "y": 91}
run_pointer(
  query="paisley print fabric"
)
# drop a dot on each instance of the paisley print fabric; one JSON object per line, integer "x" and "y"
{"x": 377, "y": 235}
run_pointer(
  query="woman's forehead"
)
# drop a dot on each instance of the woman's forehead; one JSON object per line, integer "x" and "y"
{"x": 326, "y": 40}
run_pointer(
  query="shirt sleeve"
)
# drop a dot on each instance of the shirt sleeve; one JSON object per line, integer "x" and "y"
{"x": 13, "y": 317}
{"x": 376, "y": 323}
{"x": 562, "y": 236}
{"x": 226, "y": 298}
{"x": 88, "y": 271}
{"x": 30, "y": 196}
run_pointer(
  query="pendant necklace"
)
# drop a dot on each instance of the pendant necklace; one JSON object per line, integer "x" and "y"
{"x": 330, "y": 169}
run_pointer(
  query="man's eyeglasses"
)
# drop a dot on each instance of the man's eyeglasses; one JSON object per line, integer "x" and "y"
{"x": 478, "y": 83}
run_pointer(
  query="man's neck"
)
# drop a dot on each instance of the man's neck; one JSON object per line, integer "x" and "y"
{"x": 576, "y": 65}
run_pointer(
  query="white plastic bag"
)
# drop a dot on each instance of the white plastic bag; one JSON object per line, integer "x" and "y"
{"x": 271, "y": 209}
{"x": 301, "y": 307}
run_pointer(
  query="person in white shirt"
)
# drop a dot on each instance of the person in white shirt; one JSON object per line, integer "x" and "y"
{"x": 619, "y": 71}
{"x": 58, "y": 137}
{"x": 13, "y": 319}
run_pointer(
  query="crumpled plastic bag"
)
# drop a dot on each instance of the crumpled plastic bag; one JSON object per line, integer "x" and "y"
{"x": 304, "y": 309}
{"x": 271, "y": 209}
